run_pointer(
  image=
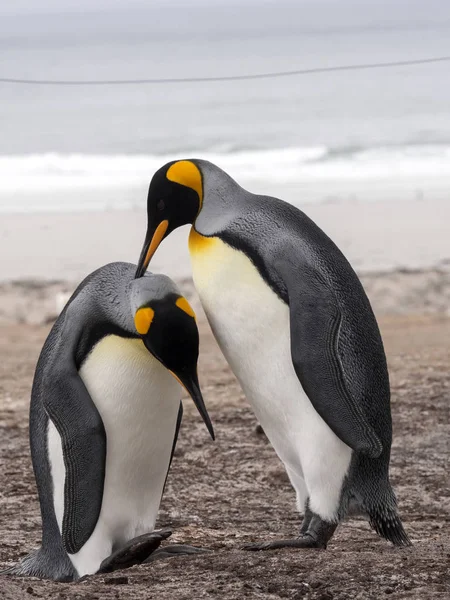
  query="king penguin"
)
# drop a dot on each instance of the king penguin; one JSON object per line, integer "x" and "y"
{"x": 104, "y": 419}
{"x": 296, "y": 327}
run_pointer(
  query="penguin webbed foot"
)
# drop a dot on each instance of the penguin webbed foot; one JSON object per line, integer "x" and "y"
{"x": 134, "y": 552}
{"x": 314, "y": 533}
{"x": 175, "y": 550}
{"x": 304, "y": 541}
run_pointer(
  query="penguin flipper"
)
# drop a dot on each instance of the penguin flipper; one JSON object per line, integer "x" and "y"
{"x": 79, "y": 424}
{"x": 177, "y": 431}
{"x": 315, "y": 323}
{"x": 175, "y": 439}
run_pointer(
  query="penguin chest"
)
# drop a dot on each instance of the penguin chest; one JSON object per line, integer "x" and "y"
{"x": 138, "y": 401}
{"x": 251, "y": 325}
{"x": 242, "y": 309}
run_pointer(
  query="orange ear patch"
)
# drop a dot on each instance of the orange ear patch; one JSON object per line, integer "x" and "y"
{"x": 143, "y": 319}
{"x": 186, "y": 173}
{"x": 185, "y": 306}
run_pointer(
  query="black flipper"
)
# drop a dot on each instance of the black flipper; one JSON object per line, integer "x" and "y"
{"x": 177, "y": 431}
{"x": 75, "y": 416}
{"x": 315, "y": 329}
{"x": 175, "y": 439}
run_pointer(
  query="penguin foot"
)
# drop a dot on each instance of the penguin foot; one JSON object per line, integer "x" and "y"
{"x": 305, "y": 541}
{"x": 174, "y": 550}
{"x": 315, "y": 533}
{"x": 306, "y": 519}
{"x": 134, "y": 552}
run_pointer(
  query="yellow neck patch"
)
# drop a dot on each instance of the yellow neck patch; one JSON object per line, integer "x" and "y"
{"x": 184, "y": 305}
{"x": 199, "y": 243}
{"x": 143, "y": 319}
{"x": 186, "y": 173}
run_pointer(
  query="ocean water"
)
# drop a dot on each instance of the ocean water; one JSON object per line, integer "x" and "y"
{"x": 366, "y": 135}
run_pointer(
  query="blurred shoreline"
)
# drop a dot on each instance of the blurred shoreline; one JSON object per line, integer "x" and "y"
{"x": 374, "y": 236}
{"x": 401, "y": 251}
{"x": 391, "y": 293}
{"x": 74, "y": 182}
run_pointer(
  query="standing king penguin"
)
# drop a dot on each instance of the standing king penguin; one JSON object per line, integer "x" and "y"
{"x": 298, "y": 331}
{"x": 104, "y": 419}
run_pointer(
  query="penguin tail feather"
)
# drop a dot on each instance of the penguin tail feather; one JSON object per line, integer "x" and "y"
{"x": 37, "y": 564}
{"x": 26, "y": 567}
{"x": 16, "y": 571}
{"x": 389, "y": 526}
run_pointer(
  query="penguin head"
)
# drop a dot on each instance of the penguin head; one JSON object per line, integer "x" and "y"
{"x": 168, "y": 328}
{"x": 174, "y": 199}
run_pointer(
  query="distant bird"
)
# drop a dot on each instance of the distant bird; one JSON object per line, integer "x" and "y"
{"x": 297, "y": 329}
{"x": 104, "y": 421}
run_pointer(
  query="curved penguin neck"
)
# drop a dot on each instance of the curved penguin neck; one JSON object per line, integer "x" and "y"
{"x": 247, "y": 222}
{"x": 223, "y": 200}
{"x": 110, "y": 294}
{"x": 118, "y": 308}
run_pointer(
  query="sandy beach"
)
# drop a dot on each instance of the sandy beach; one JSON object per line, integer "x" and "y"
{"x": 339, "y": 108}
{"x": 400, "y": 251}
{"x": 375, "y": 236}
{"x": 222, "y": 495}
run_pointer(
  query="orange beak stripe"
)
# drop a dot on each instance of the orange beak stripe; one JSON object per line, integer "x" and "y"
{"x": 156, "y": 240}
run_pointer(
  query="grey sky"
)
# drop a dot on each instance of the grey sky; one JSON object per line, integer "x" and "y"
{"x": 69, "y": 6}
{"x": 380, "y": 11}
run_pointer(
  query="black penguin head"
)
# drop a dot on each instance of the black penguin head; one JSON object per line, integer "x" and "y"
{"x": 168, "y": 328}
{"x": 174, "y": 199}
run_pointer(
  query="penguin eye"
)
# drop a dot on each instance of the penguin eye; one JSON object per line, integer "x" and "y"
{"x": 161, "y": 205}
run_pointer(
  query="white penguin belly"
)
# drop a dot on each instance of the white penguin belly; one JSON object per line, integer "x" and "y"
{"x": 251, "y": 325}
{"x": 138, "y": 401}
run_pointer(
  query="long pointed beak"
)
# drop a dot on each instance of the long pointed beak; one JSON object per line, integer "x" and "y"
{"x": 191, "y": 385}
{"x": 152, "y": 241}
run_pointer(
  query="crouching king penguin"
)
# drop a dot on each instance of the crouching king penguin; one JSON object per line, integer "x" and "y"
{"x": 297, "y": 329}
{"x": 104, "y": 419}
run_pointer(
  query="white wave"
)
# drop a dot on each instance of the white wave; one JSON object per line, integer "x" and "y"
{"x": 53, "y": 171}
{"x": 79, "y": 181}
